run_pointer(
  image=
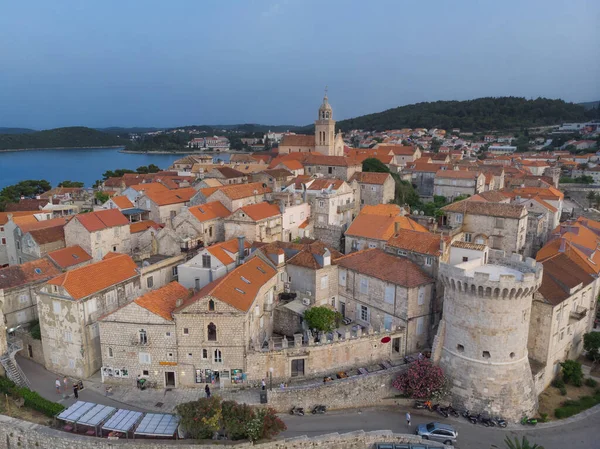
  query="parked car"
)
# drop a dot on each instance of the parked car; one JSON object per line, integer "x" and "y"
{"x": 405, "y": 446}
{"x": 435, "y": 431}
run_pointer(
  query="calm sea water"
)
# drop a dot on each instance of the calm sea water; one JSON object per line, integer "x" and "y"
{"x": 75, "y": 164}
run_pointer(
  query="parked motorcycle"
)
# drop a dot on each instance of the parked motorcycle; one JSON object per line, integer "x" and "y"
{"x": 409, "y": 359}
{"x": 528, "y": 421}
{"x": 440, "y": 410}
{"x": 451, "y": 411}
{"x": 298, "y": 411}
{"x": 472, "y": 418}
{"x": 499, "y": 422}
{"x": 319, "y": 409}
{"x": 423, "y": 405}
{"x": 485, "y": 420}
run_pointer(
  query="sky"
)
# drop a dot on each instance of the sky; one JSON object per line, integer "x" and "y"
{"x": 182, "y": 62}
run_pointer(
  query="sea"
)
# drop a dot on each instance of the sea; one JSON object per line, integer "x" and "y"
{"x": 76, "y": 164}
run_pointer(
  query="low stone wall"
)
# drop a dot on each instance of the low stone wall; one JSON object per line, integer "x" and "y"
{"x": 367, "y": 390}
{"x": 37, "y": 350}
{"x": 19, "y": 434}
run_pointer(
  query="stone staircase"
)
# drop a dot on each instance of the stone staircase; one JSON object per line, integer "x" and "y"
{"x": 12, "y": 368}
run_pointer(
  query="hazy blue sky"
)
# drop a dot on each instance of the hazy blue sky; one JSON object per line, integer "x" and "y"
{"x": 167, "y": 63}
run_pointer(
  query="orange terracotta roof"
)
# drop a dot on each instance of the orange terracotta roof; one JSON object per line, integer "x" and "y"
{"x": 325, "y": 183}
{"x": 174, "y": 196}
{"x": 261, "y": 211}
{"x": 548, "y": 193}
{"x": 376, "y": 263}
{"x": 33, "y": 226}
{"x": 85, "y": 281}
{"x": 304, "y": 224}
{"x": 415, "y": 241}
{"x": 239, "y": 191}
{"x": 28, "y": 272}
{"x": 122, "y": 202}
{"x": 140, "y": 226}
{"x": 381, "y": 227}
{"x": 21, "y": 216}
{"x": 222, "y": 250}
{"x": 69, "y": 256}
{"x": 371, "y": 177}
{"x": 240, "y": 286}
{"x": 163, "y": 301}
{"x": 149, "y": 187}
{"x": 298, "y": 140}
{"x": 561, "y": 274}
{"x": 399, "y": 150}
{"x": 293, "y": 164}
{"x": 321, "y": 159}
{"x": 95, "y": 221}
{"x": 390, "y": 210}
{"x": 209, "y": 211}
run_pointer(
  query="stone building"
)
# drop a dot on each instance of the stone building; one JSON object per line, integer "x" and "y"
{"x": 384, "y": 291}
{"x": 202, "y": 224}
{"x": 375, "y": 188}
{"x": 234, "y": 196}
{"x": 158, "y": 270}
{"x": 276, "y": 179}
{"x": 483, "y": 335}
{"x": 19, "y": 286}
{"x": 16, "y": 217}
{"x": 339, "y": 167}
{"x": 69, "y": 258}
{"x": 325, "y": 141}
{"x": 165, "y": 205}
{"x": 500, "y": 226}
{"x": 69, "y": 306}
{"x": 99, "y": 233}
{"x": 227, "y": 175}
{"x": 453, "y": 183}
{"x": 259, "y": 222}
{"x": 22, "y": 236}
{"x": 140, "y": 338}
{"x": 421, "y": 175}
{"x": 402, "y": 154}
{"x": 212, "y": 263}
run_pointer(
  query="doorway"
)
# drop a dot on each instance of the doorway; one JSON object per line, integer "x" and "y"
{"x": 30, "y": 351}
{"x": 169, "y": 378}
{"x": 343, "y": 309}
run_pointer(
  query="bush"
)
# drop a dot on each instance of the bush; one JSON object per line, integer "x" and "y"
{"x": 572, "y": 373}
{"x": 322, "y": 318}
{"x": 421, "y": 380}
{"x": 543, "y": 417}
{"x": 235, "y": 419}
{"x": 200, "y": 419}
{"x": 591, "y": 343}
{"x": 570, "y": 408}
{"x": 591, "y": 382}
{"x": 32, "y": 399}
{"x": 35, "y": 331}
{"x": 558, "y": 383}
{"x": 563, "y": 391}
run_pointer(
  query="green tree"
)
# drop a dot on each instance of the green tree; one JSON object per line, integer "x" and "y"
{"x": 27, "y": 189}
{"x": 372, "y": 164}
{"x": 101, "y": 197}
{"x": 572, "y": 373}
{"x": 591, "y": 343}
{"x": 115, "y": 173}
{"x": 322, "y": 318}
{"x": 520, "y": 444}
{"x": 70, "y": 184}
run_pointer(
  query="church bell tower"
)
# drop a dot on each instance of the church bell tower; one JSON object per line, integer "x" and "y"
{"x": 325, "y": 129}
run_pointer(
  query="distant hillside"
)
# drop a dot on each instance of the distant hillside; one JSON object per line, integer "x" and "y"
{"x": 16, "y": 131}
{"x": 134, "y": 130}
{"x": 590, "y": 104}
{"x": 60, "y": 137}
{"x": 473, "y": 115}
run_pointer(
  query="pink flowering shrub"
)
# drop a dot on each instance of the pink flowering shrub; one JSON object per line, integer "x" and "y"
{"x": 421, "y": 380}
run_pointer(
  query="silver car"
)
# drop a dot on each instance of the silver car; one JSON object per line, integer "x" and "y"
{"x": 435, "y": 431}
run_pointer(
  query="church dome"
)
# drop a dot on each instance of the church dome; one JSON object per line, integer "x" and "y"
{"x": 325, "y": 111}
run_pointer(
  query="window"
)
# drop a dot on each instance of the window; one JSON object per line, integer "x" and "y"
{"x": 387, "y": 322}
{"x": 321, "y": 203}
{"x": 110, "y": 352}
{"x": 150, "y": 282}
{"x": 218, "y": 356}
{"x": 500, "y": 223}
{"x": 145, "y": 372}
{"x": 459, "y": 218}
{"x": 92, "y": 306}
{"x": 190, "y": 355}
{"x": 401, "y": 252}
{"x": 186, "y": 331}
{"x": 145, "y": 358}
{"x": 94, "y": 331}
{"x": 114, "y": 249}
{"x": 396, "y": 344}
{"x": 468, "y": 237}
{"x": 211, "y": 305}
{"x": 330, "y": 170}
{"x": 212, "y": 332}
{"x": 373, "y": 188}
{"x": 372, "y": 245}
{"x": 460, "y": 348}
{"x": 143, "y": 337}
{"x": 23, "y": 299}
{"x": 421, "y": 298}
{"x": 262, "y": 322}
{"x": 111, "y": 297}
{"x": 3, "y": 241}
{"x": 128, "y": 289}
{"x": 197, "y": 284}
{"x": 486, "y": 355}
{"x": 18, "y": 245}
{"x": 364, "y": 313}
{"x": 170, "y": 355}
{"x": 420, "y": 325}
{"x": 56, "y": 307}
{"x": 297, "y": 368}
{"x": 174, "y": 271}
{"x": 342, "y": 278}
{"x": 364, "y": 285}
{"x": 390, "y": 294}
{"x": 324, "y": 281}
{"x": 205, "y": 353}
{"x": 210, "y": 231}
{"x": 68, "y": 337}
{"x": 465, "y": 259}
{"x": 205, "y": 260}
{"x": 428, "y": 261}
{"x": 167, "y": 334}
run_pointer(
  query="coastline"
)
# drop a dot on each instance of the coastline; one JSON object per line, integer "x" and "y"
{"x": 185, "y": 152}
{"x": 99, "y": 147}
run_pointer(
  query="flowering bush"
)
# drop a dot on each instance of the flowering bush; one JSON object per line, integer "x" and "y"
{"x": 422, "y": 380}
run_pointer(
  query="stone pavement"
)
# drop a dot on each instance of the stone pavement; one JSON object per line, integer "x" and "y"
{"x": 126, "y": 396}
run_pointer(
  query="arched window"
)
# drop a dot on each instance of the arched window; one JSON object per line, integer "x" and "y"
{"x": 218, "y": 356}
{"x": 212, "y": 332}
{"x": 211, "y": 305}
{"x": 143, "y": 337}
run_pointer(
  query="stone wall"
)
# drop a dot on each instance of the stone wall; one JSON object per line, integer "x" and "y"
{"x": 286, "y": 321}
{"x": 331, "y": 235}
{"x": 37, "y": 350}
{"x": 15, "y": 434}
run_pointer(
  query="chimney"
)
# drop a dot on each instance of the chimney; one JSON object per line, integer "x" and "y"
{"x": 396, "y": 227}
{"x": 563, "y": 243}
{"x": 240, "y": 257}
{"x": 178, "y": 302}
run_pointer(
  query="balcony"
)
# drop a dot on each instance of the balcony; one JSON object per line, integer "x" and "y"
{"x": 346, "y": 207}
{"x": 578, "y": 314}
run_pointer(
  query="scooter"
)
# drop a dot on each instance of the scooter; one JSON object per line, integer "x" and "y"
{"x": 451, "y": 411}
{"x": 319, "y": 409}
{"x": 423, "y": 405}
{"x": 440, "y": 410}
{"x": 298, "y": 411}
{"x": 500, "y": 422}
{"x": 530, "y": 421}
{"x": 470, "y": 417}
{"x": 485, "y": 420}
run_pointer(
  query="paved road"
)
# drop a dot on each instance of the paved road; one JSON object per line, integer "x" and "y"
{"x": 583, "y": 434}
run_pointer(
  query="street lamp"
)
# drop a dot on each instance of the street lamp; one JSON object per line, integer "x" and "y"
{"x": 271, "y": 378}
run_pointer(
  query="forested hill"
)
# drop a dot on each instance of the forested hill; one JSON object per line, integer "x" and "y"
{"x": 473, "y": 115}
{"x": 74, "y": 137}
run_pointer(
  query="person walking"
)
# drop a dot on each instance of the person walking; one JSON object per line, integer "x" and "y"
{"x": 263, "y": 385}
{"x": 408, "y": 418}
{"x": 207, "y": 391}
{"x": 76, "y": 391}
{"x": 57, "y": 384}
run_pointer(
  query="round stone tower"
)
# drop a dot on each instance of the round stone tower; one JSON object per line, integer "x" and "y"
{"x": 482, "y": 339}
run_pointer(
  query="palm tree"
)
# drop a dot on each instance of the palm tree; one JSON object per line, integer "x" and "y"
{"x": 523, "y": 444}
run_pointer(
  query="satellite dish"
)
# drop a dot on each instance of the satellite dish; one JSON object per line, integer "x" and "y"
{"x": 421, "y": 213}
